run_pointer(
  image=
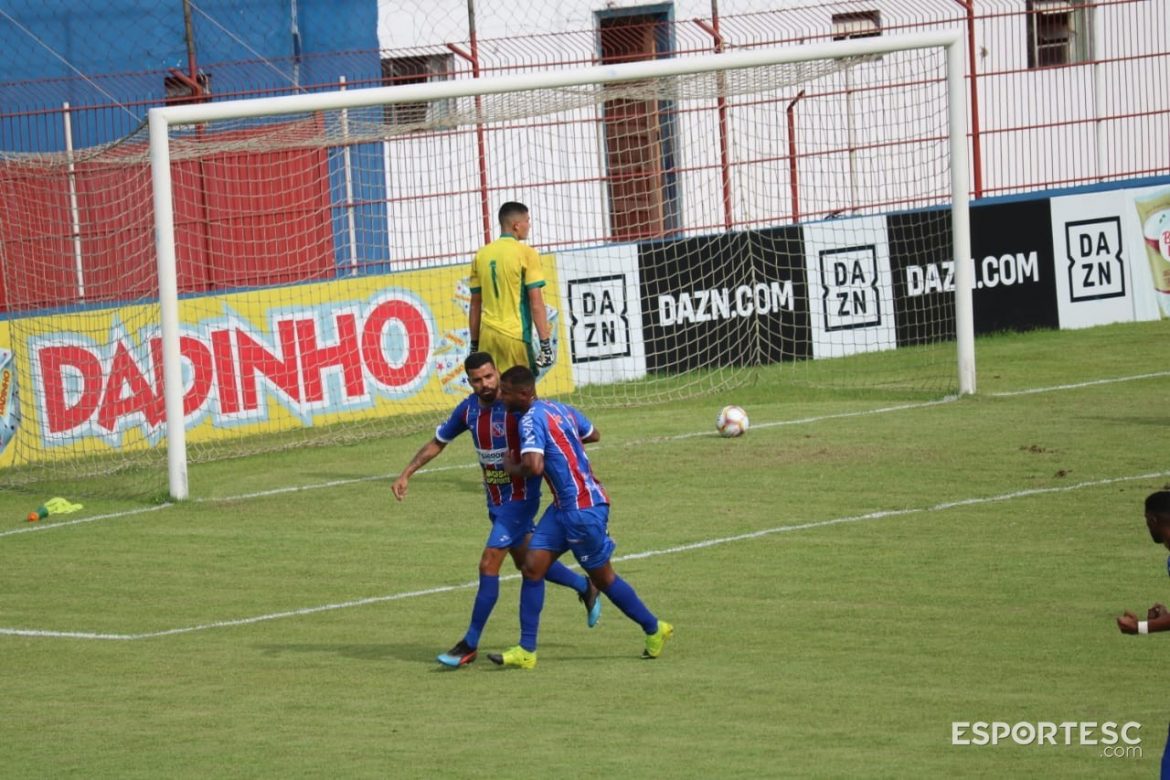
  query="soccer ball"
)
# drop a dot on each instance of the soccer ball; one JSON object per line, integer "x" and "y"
{"x": 732, "y": 421}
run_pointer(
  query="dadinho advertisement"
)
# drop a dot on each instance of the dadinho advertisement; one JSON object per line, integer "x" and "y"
{"x": 253, "y": 362}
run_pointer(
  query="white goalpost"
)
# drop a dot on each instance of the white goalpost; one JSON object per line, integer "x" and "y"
{"x": 162, "y": 119}
{"x": 292, "y": 270}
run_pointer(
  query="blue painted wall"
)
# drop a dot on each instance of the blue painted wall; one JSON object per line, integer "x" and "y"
{"x": 125, "y": 47}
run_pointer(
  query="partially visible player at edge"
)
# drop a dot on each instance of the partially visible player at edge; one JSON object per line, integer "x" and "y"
{"x": 552, "y": 437}
{"x": 506, "y": 296}
{"x": 511, "y": 501}
{"x": 1158, "y": 524}
{"x": 1157, "y": 616}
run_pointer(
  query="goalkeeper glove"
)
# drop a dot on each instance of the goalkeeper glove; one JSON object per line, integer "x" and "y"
{"x": 545, "y": 358}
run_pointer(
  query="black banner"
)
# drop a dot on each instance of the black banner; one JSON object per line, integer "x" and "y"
{"x": 924, "y": 276}
{"x": 731, "y": 299}
{"x": 1015, "y": 288}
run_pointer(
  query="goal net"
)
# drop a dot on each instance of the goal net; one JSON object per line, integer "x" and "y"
{"x": 779, "y": 216}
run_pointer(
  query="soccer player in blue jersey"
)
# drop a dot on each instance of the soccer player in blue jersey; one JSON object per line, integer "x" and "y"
{"x": 512, "y": 501}
{"x": 1157, "y": 617}
{"x": 552, "y": 436}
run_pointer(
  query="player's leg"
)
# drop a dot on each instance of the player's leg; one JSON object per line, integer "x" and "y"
{"x": 560, "y": 574}
{"x": 487, "y": 593}
{"x": 547, "y": 542}
{"x": 593, "y": 552}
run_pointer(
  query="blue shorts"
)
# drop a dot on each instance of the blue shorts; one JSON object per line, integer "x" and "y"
{"x": 512, "y": 522}
{"x": 584, "y": 531}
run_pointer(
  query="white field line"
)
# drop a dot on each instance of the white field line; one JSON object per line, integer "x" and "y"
{"x": 879, "y": 515}
{"x": 1079, "y": 385}
{"x": 435, "y": 469}
{"x": 662, "y": 439}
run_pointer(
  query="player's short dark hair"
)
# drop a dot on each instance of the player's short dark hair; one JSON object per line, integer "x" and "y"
{"x": 519, "y": 376}
{"x": 510, "y": 211}
{"x": 477, "y": 360}
{"x": 1158, "y": 503}
{"x": 1157, "y": 513}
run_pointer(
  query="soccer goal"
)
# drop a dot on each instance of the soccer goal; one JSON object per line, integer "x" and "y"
{"x": 704, "y": 221}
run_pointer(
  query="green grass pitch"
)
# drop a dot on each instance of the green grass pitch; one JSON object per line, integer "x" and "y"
{"x": 858, "y": 573}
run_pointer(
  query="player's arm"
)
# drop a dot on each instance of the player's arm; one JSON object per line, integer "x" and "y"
{"x": 544, "y": 356}
{"x": 474, "y": 314}
{"x": 585, "y": 427}
{"x": 1157, "y": 619}
{"x": 533, "y": 277}
{"x": 531, "y": 464}
{"x": 539, "y": 313}
{"x": 421, "y": 458}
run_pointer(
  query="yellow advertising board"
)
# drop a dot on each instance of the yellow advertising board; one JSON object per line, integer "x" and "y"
{"x": 253, "y": 362}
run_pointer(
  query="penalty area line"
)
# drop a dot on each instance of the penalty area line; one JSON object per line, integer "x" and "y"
{"x": 870, "y": 516}
{"x": 457, "y": 467}
{"x": 653, "y": 440}
{"x": 1079, "y": 385}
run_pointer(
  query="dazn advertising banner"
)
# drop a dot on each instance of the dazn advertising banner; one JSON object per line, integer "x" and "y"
{"x": 724, "y": 300}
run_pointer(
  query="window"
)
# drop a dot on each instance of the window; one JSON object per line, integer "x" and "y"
{"x": 420, "y": 69}
{"x": 1058, "y": 33}
{"x": 858, "y": 24}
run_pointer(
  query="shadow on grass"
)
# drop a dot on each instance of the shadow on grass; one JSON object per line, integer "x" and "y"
{"x": 374, "y": 651}
{"x": 425, "y": 654}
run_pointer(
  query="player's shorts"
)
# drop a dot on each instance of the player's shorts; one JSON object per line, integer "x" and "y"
{"x": 505, "y": 350}
{"x": 512, "y": 522}
{"x": 583, "y": 531}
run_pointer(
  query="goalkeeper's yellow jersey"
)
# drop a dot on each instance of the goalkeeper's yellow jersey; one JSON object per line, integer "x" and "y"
{"x": 502, "y": 273}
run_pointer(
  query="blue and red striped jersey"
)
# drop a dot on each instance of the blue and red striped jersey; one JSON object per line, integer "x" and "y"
{"x": 556, "y": 430}
{"x": 494, "y": 431}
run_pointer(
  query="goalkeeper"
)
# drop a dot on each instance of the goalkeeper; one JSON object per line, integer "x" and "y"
{"x": 507, "y": 297}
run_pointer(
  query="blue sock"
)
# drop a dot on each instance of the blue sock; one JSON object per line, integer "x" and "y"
{"x": 622, "y": 594}
{"x": 560, "y": 574}
{"x": 531, "y": 602}
{"x": 485, "y": 601}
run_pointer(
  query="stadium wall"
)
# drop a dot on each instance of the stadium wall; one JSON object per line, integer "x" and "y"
{"x": 1063, "y": 260}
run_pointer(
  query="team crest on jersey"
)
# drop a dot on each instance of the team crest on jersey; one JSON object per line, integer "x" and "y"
{"x": 497, "y": 428}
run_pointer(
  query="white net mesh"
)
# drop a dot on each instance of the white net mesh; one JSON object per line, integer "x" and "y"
{"x": 691, "y": 227}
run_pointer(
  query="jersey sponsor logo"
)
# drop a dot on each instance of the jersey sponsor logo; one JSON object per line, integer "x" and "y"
{"x": 725, "y": 303}
{"x": 849, "y": 284}
{"x": 491, "y": 457}
{"x": 495, "y": 476}
{"x": 1093, "y": 249}
{"x": 1006, "y": 270}
{"x": 599, "y": 320}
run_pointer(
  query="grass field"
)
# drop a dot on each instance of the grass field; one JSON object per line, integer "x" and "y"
{"x": 852, "y": 577}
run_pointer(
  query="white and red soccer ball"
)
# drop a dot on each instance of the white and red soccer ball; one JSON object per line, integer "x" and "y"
{"x": 732, "y": 421}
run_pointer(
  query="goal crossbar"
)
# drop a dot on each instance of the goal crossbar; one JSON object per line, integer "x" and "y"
{"x": 163, "y": 118}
